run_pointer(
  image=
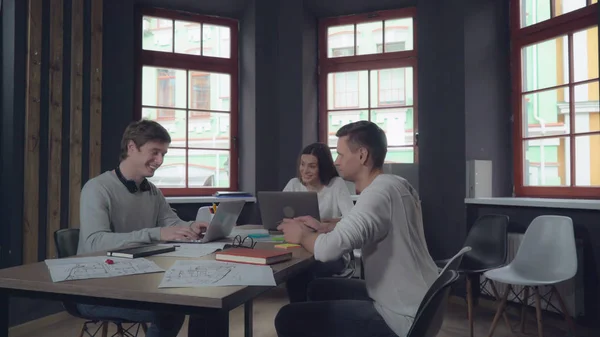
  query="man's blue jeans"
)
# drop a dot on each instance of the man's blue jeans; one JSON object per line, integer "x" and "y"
{"x": 335, "y": 307}
{"x": 161, "y": 324}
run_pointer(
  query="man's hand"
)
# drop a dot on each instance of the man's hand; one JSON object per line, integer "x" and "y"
{"x": 293, "y": 230}
{"x": 199, "y": 227}
{"x": 309, "y": 221}
{"x": 330, "y": 224}
{"x": 177, "y": 233}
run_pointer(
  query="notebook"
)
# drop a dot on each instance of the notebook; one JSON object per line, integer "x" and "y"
{"x": 253, "y": 256}
{"x": 140, "y": 251}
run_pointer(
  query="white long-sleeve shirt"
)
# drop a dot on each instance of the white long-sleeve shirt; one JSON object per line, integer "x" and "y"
{"x": 334, "y": 198}
{"x": 386, "y": 223}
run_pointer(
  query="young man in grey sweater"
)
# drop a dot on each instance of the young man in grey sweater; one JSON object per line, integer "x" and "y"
{"x": 121, "y": 207}
{"x": 386, "y": 223}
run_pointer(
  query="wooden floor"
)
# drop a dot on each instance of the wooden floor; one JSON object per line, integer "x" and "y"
{"x": 266, "y": 307}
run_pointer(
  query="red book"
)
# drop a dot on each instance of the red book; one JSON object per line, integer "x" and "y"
{"x": 253, "y": 256}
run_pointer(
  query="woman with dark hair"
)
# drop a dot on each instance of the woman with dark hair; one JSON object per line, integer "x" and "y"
{"x": 316, "y": 172}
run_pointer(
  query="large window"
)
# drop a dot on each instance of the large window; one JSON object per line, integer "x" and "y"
{"x": 556, "y": 98}
{"x": 187, "y": 82}
{"x": 367, "y": 67}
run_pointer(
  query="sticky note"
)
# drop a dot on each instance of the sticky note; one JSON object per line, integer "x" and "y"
{"x": 258, "y": 235}
{"x": 278, "y": 238}
{"x": 287, "y": 245}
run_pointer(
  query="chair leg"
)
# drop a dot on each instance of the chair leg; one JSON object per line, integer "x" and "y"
{"x": 525, "y": 299}
{"x": 83, "y": 328}
{"x": 500, "y": 311}
{"x": 538, "y": 311}
{"x": 104, "y": 329}
{"x": 120, "y": 332}
{"x": 470, "y": 304}
{"x": 566, "y": 313}
{"x": 498, "y": 299}
{"x": 144, "y": 328}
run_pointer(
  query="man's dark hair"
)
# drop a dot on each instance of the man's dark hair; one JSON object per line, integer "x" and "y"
{"x": 141, "y": 132}
{"x": 327, "y": 170}
{"x": 368, "y": 135}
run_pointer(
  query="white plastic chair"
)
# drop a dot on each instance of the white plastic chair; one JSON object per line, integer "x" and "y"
{"x": 546, "y": 256}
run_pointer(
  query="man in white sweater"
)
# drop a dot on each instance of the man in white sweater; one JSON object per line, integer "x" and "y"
{"x": 386, "y": 223}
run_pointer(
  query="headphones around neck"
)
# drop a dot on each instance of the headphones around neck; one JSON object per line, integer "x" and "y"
{"x": 130, "y": 184}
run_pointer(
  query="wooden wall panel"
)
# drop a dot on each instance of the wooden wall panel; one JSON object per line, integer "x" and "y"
{"x": 32, "y": 133}
{"x": 96, "y": 89}
{"x": 55, "y": 124}
{"x": 76, "y": 111}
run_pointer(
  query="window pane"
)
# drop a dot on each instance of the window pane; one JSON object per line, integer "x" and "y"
{"x": 585, "y": 54}
{"x": 397, "y": 124}
{"x": 187, "y": 37}
{"x": 172, "y": 120}
{"x": 172, "y": 172}
{"x": 163, "y": 87}
{"x": 340, "y": 41}
{"x": 334, "y": 153}
{"x": 157, "y": 34}
{"x": 208, "y": 130}
{"x": 392, "y": 87}
{"x": 208, "y": 168}
{"x": 369, "y": 37}
{"x": 534, "y": 11}
{"x": 398, "y": 35}
{"x": 348, "y": 90}
{"x": 546, "y": 113}
{"x": 337, "y": 119}
{"x": 400, "y": 155}
{"x": 547, "y": 162}
{"x": 587, "y": 160}
{"x": 566, "y": 6}
{"x": 209, "y": 91}
{"x": 587, "y": 108}
{"x": 545, "y": 64}
{"x": 216, "y": 41}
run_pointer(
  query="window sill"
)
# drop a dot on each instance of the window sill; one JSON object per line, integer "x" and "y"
{"x": 205, "y": 200}
{"x": 537, "y": 202}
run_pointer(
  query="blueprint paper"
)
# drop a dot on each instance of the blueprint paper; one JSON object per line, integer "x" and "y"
{"x": 193, "y": 249}
{"x": 204, "y": 273}
{"x": 96, "y": 267}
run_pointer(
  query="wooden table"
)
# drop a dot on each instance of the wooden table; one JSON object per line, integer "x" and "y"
{"x": 211, "y": 305}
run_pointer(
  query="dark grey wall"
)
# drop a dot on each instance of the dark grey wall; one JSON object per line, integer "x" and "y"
{"x": 247, "y": 116}
{"x": 441, "y": 76}
{"x": 487, "y": 105}
{"x": 310, "y": 113}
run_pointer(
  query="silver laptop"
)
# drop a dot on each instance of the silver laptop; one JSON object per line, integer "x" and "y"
{"x": 275, "y": 206}
{"x": 222, "y": 223}
{"x": 224, "y": 220}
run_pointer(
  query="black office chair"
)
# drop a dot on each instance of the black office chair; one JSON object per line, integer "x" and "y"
{"x": 66, "y": 241}
{"x": 430, "y": 316}
{"x": 350, "y": 269}
{"x": 488, "y": 241}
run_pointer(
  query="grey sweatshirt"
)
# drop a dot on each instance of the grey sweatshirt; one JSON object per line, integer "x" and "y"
{"x": 112, "y": 217}
{"x": 386, "y": 223}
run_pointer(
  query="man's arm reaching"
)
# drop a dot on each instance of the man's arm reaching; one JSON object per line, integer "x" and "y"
{"x": 367, "y": 222}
